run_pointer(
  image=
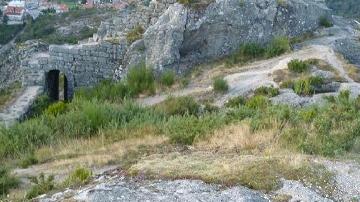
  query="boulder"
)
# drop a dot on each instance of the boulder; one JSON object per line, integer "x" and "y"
{"x": 163, "y": 40}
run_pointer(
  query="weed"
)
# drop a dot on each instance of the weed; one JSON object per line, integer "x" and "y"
{"x": 7, "y": 181}
{"x": 277, "y": 46}
{"x": 220, "y": 85}
{"x": 167, "y": 78}
{"x": 325, "y": 22}
{"x": 140, "y": 79}
{"x": 42, "y": 185}
{"x": 267, "y": 91}
{"x": 298, "y": 66}
{"x": 179, "y": 106}
{"x": 78, "y": 177}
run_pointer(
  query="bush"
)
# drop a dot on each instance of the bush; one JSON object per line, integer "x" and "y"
{"x": 298, "y": 66}
{"x": 105, "y": 90}
{"x": 167, "y": 78}
{"x": 179, "y": 106}
{"x": 220, "y": 85}
{"x": 267, "y": 91}
{"x": 140, "y": 79}
{"x": 7, "y": 181}
{"x": 185, "y": 130}
{"x": 42, "y": 185}
{"x": 235, "y": 102}
{"x": 56, "y": 109}
{"x": 307, "y": 86}
{"x": 245, "y": 53}
{"x": 135, "y": 34}
{"x": 277, "y": 46}
{"x": 79, "y": 176}
{"x": 39, "y": 106}
{"x": 325, "y": 22}
{"x": 257, "y": 102}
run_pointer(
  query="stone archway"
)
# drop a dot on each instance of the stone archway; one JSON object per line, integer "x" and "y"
{"x": 52, "y": 84}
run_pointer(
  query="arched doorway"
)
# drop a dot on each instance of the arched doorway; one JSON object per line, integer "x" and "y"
{"x": 57, "y": 86}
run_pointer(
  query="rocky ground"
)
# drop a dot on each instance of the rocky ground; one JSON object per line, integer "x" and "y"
{"x": 114, "y": 186}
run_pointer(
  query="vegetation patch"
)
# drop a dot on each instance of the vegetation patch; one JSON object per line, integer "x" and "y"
{"x": 7, "y": 181}
{"x": 167, "y": 78}
{"x": 9, "y": 93}
{"x": 135, "y": 34}
{"x": 179, "y": 106}
{"x": 298, "y": 66}
{"x": 41, "y": 185}
{"x": 220, "y": 85}
{"x": 8, "y": 32}
{"x": 78, "y": 177}
{"x": 254, "y": 51}
{"x": 325, "y": 22}
{"x": 268, "y": 91}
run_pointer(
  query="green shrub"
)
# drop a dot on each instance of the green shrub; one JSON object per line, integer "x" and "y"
{"x": 246, "y": 52}
{"x": 307, "y": 86}
{"x": 167, "y": 78}
{"x": 220, "y": 85}
{"x": 277, "y": 46}
{"x": 140, "y": 79}
{"x": 185, "y": 130}
{"x": 257, "y": 102}
{"x": 56, "y": 109}
{"x": 42, "y": 185}
{"x": 325, "y": 22}
{"x": 105, "y": 90}
{"x": 179, "y": 106}
{"x": 40, "y": 104}
{"x": 135, "y": 34}
{"x": 7, "y": 181}
{"x": 298, "y": 66}
{"x": 252, "y": 50}
{"x": 78, "y": 177}
{"x": 267, "y": 91}
{"x": 28, "y": 160}
{"x": 235, "y": 102}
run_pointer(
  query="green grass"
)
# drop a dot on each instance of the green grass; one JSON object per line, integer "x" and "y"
{"x": 268, "y": 91}
{"x": 251, "y": 51}
{"x": 78, "y": 177}
{"x": 141, "y": 79}
{"x": 167, "y": 78}
{"x": 8, "y": 32}
{"x": 41, "y": 185}
{"x": 298, "y": 66}
{"x": 220, "y": 85}
{"x": 327, "y": 130}
{"x": 7, "y": 181}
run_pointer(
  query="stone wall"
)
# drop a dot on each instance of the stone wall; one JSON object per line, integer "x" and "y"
{"x": 83, "y": 65}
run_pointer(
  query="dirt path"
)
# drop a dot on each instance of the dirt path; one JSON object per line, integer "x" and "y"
{"x": 244, "y": 79}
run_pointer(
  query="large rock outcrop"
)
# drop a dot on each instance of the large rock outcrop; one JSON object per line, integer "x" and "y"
{"x": 184, "y": 35}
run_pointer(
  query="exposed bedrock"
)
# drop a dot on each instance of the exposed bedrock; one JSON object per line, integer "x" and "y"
{"x": 184, "y": 35}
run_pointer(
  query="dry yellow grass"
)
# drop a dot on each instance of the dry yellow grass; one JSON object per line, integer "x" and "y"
{"x": 239, "y": 138}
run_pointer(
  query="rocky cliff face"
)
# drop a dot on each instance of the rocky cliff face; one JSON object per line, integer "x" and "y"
{"x": 183, "y": 34}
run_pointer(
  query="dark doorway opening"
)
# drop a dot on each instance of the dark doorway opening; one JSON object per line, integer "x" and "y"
{"x": 57, "y": 85}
